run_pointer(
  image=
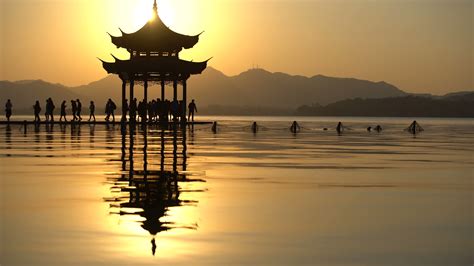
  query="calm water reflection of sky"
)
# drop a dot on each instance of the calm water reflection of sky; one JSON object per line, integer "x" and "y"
{"x": 69, "y": 195}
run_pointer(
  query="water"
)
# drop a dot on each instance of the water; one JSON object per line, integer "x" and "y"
{"x": 70, "y": 196}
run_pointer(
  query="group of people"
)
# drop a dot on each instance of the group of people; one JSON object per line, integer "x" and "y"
{"x": 153, "y": 111}
{"x": 76, "y": 107}
{"x": 158, "y": 110}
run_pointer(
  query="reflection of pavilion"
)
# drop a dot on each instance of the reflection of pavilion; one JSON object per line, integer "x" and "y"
{"x": 150, "y": 183}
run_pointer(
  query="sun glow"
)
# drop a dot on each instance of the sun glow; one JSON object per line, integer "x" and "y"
{"x": 142, "y": 12}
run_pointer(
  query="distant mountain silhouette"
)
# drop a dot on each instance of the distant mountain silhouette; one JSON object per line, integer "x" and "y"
{"x": 24, "y": 93}
{"x": 255, "y": 91}
{"x": 452, "y": 105}
{"x": 258, "y": 87}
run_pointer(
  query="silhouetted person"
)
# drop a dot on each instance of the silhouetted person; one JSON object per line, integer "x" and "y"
{"x": 151, "y": 110}
{"x": 378, "y": 128}
{"x": 133, "y": 109}
{"x": 8, "y": 109}
{"x": 142, "y": 106}
{"x": 414, "y": 128}
{"x": 295, "y": 128}
{"x": 180, "y": 110}
{"x": 79, "y": 109}
{"x": 254, "y": 127}
{"x": 63, "y": 111}
{"x": 126, "y": 109}
{"x": 339, "y": 128}
{"x": 37, "y": 110}
{"x": 49, "y": 114}
{"x": 174, "y": 110}
{"x": 46, "y": 112}
{"x": 192, "y": 108}
{"x": 92, "y": 111}
{"x": 110, "y": 109}
{"x": 113, "y": 106}
{"x": 74, "y": 110}
{"x": 369, "y": 129}
{"x": 168, "y": 110}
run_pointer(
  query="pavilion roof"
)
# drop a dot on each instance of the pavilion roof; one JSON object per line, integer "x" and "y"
{"x": 155, "y": 36}
{"x": 159, "y": 64}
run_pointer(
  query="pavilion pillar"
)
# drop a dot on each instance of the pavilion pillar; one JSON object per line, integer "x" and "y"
{"x": 175, "y": 90}
{"x": 132, "y": 83}
{"x": 124, "y": 100}
{"x": 185, "y": 102}
{"x": 145, "y": 97}
{"x": 162, "y": 90}
{"x": 145, "y": 94}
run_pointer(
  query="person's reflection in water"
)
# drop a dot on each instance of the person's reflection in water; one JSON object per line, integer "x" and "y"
{"x": 76, "y": 135}
{"x": 91, "y": 135}
{"x": 109, "y": 136}
{"x": 49, "y": 135}
{"x": 62, "y": 127}
{"x": 37, "y": 137}
{"x": 8, "y": 138}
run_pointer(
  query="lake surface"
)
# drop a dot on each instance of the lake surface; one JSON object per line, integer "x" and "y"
{"x": 90, "y": 195}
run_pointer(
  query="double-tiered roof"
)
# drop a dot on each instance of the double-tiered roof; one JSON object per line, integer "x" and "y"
{"x": 154, "y": 53}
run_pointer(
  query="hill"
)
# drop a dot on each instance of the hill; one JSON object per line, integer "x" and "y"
{"x": 24, "y": 93}
{"x": 408, "y": 106}
{"x": 255, "y": 91}
{"x": 258, "y": 87}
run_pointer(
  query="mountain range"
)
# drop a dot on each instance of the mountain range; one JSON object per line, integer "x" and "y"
{"x": 252, "y": 89}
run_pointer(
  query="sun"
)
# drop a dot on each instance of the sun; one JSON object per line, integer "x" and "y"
{"x": 166, "y": 12}
{"x": 142, "y": 12}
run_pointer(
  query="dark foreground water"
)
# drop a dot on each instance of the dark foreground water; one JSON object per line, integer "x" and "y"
{"x": 94, "y": 196}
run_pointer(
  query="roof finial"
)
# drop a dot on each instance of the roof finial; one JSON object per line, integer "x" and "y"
{"x": 155, "y": 7}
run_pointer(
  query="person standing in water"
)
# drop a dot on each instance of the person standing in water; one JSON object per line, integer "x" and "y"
{"x": 92, "y": 111}
{"x": 254, "y": 127}
{"x": 295, "y": 128}
{"x": 414, "y": 128}
{"x": 37, "y": 110}
{"x": 8, "y": 110}
{"x": 192, "y": 108}
{"x": 63, "y": 112}
{"x": 339, "y": 128}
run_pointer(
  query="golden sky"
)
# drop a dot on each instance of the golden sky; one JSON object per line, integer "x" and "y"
{"x": 417, "y": 45}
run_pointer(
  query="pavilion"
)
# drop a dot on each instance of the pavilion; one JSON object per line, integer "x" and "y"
{"x": 154, "y": 58}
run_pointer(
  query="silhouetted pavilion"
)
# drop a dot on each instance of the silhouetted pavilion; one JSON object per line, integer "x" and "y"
{"x": 154, "y": 58}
